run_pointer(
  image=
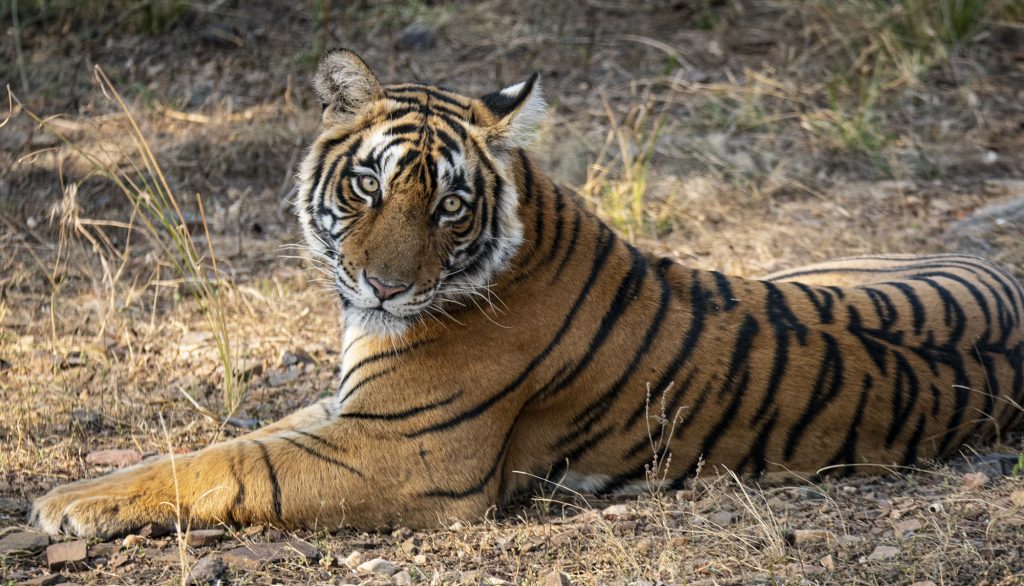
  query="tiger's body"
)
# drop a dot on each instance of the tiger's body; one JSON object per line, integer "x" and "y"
{"x": 592, "y": 348}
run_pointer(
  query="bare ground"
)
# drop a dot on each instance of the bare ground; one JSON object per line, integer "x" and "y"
{"x": 761, "y": 135}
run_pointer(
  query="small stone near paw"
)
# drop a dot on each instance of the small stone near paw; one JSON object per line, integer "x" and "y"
{"x": 70, "y": 555}
{"x": 207, "y": 570}
{"x": 23, "y": 543}
{"x": 256, "y": 554}
{"x": 204, "y": 537}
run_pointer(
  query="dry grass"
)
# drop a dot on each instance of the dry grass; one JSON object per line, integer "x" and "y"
{"x": 743, "y": 136}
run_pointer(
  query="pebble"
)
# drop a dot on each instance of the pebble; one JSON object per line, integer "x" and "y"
{"x": 68, "y": 555}
{"x": 411, "y": 545}
{"x": 204, "y": 537}
{"x": 416, "y": 37}
{"x": 104, "y": 550}
{"x": 353, "y": 559}
{"x": 296, "y": 356}
{"x": 378, "y": 566}
{"x": 615, "y": 512}
{"x": 1017, "y": 498}
{"x": 906, "y": 528}
{"x": 883, "y": 552}
{"x": 403, "y": 578}
{"x": 133, "y": 541}
{"x": 809, "y": 536}
{"x": 118, "y": 458}
{"x": 974, "y": 480}
{"x": 256, "y": 554}
{"x": 23, "y": 543}
{"x": 207, "y": 570}
{"x": 555, "y": 578}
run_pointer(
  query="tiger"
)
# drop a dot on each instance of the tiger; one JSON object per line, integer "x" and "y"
{"x": 496, "y": 331}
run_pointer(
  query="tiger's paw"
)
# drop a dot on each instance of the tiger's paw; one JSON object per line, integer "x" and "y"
{"x": 104, "y": 507}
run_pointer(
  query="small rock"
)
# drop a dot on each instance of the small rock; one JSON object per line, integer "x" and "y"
{"x": 809, "y": 536}
{"x": 378, "y": 566}
{"x": 133, "y": 541}
{"x": 615, "y": 512}
{"x": 1017, "y": 498}
{"x": 221, "y": 35}
{"x": 924, "y": 583}
{"x": 86, "y": 419}
{"x": 256, "y": 554}
{"x": 353, "y": 560}
{"x": 69, "y": 555}
{"x": 418, "y": 36}
{"x": 555, "y": 578}
{"x": 974, "y": 480}
{"x": 280, "y": 378}
{"x": 118, "y": 458}
{"x": 906, "y": 528}
{"x": 411, "y": 545}
{"x": 419, "y": 559}
{"x": 456, "y": 526}
{"x": 204, "y": 537}
{"x": 74, "y": 359}
{"x": 23, "y": 543}
{"x": 104, "y": 550}
{"x": 883, "y": 552}
{"x": 296, "y": 356}
{"x": 403, "y": 578}
{"x": 828, "y": 563}
{"x": 207, "y": 570}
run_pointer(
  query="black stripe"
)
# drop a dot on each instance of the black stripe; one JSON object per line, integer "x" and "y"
{"x": 479, "y": 487}
{"x": 827, "y": 385}
{"x": 404, "y": 414}
{"x": 392, "y": 353}
{"x": 571, "y": 249}
{"x": 735, "y": 386}
{"x": 783, "y": 322}
{"x": 698, "y": 310}
{"x": 847, "y": 453}
{"x": 322, "y": 457}
{"x": 275, "y": 487}
{"x": 364, "y": 382}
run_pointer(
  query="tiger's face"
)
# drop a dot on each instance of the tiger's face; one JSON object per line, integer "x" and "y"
{"x": 406, "y": 193}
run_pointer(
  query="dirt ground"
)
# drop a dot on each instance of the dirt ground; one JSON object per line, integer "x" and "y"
{"x": 745, "y": 136}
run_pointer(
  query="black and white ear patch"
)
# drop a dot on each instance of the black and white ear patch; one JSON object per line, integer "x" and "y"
{"x": 519, "y": 110}
{"x": 506, "y": 101}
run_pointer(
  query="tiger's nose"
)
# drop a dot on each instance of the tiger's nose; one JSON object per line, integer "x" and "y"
{"x": 385, "y": 291}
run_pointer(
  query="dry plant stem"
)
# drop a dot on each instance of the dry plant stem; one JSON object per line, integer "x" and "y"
{"x": 162, "y": 219}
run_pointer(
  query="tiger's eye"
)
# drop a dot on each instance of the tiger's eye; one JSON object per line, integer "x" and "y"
{"x": 368, "y": 183}
{"x": 451, "y": 204}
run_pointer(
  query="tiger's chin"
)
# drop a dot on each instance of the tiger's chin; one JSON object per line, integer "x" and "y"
{"x": 378, "y": 321}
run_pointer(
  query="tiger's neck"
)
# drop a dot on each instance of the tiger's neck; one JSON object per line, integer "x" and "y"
{"x": 557, "y": 226}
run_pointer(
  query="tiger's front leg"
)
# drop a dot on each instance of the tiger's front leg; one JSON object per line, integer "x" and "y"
{"x": 334, "y": 474}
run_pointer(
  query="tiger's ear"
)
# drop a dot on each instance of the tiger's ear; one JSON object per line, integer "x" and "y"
{"x": 512, "y": 116}
{"x": 345, "y": 85}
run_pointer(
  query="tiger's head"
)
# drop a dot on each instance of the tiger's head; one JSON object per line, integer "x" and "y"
{"x": 408, "y": 191}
